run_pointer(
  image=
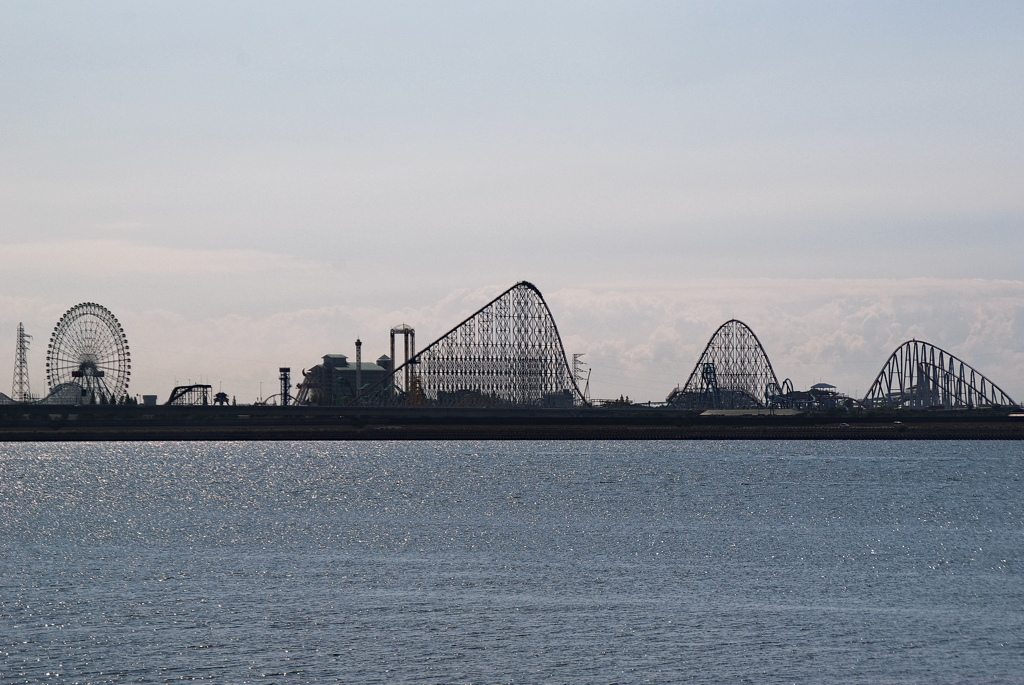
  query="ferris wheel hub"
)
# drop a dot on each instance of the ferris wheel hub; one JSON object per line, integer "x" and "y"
{"x": 89, "y": 349}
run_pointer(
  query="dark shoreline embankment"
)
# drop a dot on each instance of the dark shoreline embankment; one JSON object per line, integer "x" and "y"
{"x": 20, "y": 423}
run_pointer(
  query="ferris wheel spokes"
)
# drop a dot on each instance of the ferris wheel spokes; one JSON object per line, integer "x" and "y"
{"x": 89, "y": 348}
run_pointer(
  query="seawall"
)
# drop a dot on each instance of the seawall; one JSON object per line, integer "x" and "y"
{"x": 117, "y": 423}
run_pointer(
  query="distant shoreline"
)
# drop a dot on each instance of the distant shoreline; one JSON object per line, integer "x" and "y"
{"x": 38, "y": 423}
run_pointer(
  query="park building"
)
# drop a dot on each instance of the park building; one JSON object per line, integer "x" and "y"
{"x": 820, "y": 397}
{"x": 337, "y": 381}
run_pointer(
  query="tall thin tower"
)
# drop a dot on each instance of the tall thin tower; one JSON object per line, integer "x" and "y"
{"x": 21, "y": 392}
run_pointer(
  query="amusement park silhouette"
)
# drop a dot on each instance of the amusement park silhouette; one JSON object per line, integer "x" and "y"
{"x": 509, "y": 354}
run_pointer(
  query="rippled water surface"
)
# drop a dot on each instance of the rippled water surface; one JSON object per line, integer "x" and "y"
{"x": 512, "y": 562}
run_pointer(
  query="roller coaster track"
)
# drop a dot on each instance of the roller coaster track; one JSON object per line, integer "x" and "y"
{"x": 733, "y": 372}
{"x": 919, "y": 375}
{"x": 507, "y": 353}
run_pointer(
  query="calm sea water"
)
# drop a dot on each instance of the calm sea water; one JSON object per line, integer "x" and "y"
{"x": 512, "y": 562}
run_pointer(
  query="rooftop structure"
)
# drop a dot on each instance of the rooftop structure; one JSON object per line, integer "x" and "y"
{"x": 336, "y": 381}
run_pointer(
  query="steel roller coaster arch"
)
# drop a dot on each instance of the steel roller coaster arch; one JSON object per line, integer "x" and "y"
{"x": 507, "y": 353}
{"x": 919, "y": 375}
{"x": 733, "y": 372}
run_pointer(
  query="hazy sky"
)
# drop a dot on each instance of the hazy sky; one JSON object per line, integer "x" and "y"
{"x": 253, "y": 184}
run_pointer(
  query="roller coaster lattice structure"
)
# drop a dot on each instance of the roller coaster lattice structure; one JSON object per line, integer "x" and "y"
{"x": 508, "y": 353}
{"x": 919, "y": 375}
{"x": 733, "y": 372}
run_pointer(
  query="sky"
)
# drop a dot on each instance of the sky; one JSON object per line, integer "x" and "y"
{"x": 250, "y": 185}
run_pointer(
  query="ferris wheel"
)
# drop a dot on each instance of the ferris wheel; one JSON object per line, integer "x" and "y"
{"x": 89, "y": 348}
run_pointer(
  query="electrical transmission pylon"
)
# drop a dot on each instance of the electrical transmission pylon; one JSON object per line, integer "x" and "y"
{"x": 582, "y": 380}
{"x": 21, "y": 391}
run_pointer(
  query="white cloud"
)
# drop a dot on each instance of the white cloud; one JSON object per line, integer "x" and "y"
{"x": 114, "y": 257}
{"x": 126, "y": 225}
